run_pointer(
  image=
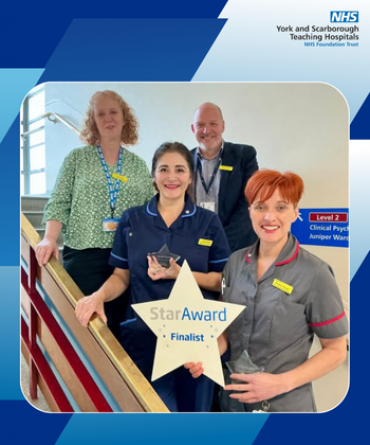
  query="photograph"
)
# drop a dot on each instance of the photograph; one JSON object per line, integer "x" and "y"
{"x": 247, "y": 183}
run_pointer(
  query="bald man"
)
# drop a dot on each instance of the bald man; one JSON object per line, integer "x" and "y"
{"x": 222, "y": 171}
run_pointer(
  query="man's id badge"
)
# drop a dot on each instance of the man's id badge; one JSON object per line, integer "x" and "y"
{"x": 208, "y": 205}
{"x": 110, "y": 224}
{"x": 226, "y": 168}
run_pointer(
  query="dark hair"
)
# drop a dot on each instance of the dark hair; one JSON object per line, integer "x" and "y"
{"x": 181, "y": 149}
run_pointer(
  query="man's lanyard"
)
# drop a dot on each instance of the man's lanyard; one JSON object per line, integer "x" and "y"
{"x": 213, "y": 177}
{"x": 113, "y": 192}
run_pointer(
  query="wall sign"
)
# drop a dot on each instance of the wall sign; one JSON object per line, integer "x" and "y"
{"x": 322, "y": 227}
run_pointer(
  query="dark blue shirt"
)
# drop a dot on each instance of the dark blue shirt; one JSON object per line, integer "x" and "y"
{"x": 142, "y": 230}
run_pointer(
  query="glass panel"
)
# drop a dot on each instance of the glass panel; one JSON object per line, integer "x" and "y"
{"x": 22, "y": 166}
{"x": 36, "y": 105}
{"x": 37, "y": 124}
{"x": 22, "y": 185}
{"x": 38, "y": 184}
{"x": 37, "y": 157}
{"x": 37, "y": 138}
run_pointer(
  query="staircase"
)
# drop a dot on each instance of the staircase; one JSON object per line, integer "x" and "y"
{"x": 33, "y": 209}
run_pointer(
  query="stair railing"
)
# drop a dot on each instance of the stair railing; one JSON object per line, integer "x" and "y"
{"x": 54, "y": 118}
{"x": 76, "y": 369}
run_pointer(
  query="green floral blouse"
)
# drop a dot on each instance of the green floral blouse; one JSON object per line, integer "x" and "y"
{"x": 80, "y": 199}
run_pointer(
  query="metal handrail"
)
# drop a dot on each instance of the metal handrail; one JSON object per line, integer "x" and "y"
{"x": 139, "y": 386}
{"x": 54, "y": 118}
{"x": 61, "y": 119}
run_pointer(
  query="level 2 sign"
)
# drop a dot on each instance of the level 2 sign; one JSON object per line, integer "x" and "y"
{"x": 322, "y": 227}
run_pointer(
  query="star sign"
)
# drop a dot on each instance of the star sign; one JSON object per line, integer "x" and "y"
{"x": 187, "y": 327}
{"x": 163, "y": 256}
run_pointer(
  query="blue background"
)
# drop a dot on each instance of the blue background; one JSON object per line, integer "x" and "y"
{"x": 301, "y": 229}
{"x": 343, "y": 16}
{"x": 127, "y": 41}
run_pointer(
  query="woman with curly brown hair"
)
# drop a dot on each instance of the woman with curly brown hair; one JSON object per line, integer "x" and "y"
{"x": 95, "y": 185}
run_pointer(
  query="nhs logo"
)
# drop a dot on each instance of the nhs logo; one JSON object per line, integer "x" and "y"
{"x": 344, "y": 16}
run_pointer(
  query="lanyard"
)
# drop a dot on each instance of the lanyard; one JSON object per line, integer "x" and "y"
{"x": 113, "y": 192}
{"x": 213, "y": 177}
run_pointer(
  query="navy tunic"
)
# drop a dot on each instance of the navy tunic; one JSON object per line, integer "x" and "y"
{"x": 277, "y": 326}
{"x": 141, "y": 231}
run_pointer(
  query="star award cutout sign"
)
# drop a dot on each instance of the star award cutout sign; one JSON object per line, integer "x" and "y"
{"x": 187, "y": 327}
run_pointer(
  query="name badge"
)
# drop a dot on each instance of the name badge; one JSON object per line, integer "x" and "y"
{"x": 226, "y": 168}
{"x": 120, "y": 177}
{"x": 282, "y": 286}
{"x": 205, "y": 242}
{"x": 110, "y": 224}
{"x": 208, "y": 205}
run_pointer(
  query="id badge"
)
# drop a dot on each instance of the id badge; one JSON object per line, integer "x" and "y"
{"x": 208, "y": 205}
{"x": 110, "y": 224}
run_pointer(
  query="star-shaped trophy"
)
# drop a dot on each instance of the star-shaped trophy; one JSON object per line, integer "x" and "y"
{"x": 164, "y": 255}
{"x": 243, "y": 365}
{"x": 187, "y": 327}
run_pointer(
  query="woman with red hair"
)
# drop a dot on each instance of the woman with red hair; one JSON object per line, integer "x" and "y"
{"x": 290, "y": 295}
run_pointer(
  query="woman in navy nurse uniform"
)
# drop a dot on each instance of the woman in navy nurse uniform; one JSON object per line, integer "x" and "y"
{"x": 171, "y": 219}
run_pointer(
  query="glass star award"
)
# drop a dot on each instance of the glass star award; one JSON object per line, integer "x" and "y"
{"x": 243, "y": 365}
{"x": 163, "y": 256}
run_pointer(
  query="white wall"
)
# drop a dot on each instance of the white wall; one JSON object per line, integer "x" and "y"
{"x": 302, "y": 127}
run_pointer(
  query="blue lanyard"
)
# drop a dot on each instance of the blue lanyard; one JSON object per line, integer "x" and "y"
{"x": 199, "y": 167}
{"x": 113, "y": 192}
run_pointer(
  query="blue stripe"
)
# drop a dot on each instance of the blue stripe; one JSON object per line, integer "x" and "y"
{"x": 81, "y": 353}
{"x": 183, "y": 216}
{"x": 118, "y": 257}
{"x": 64, "y": 387}
{"x": 76, "y": 346}
{"x": 191, "y": 214}
{"x": 219, "y": 261}
{"x": 54, "y": 370}
{"x": 131, "y": 320}
{"x": 150, "y": 213}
